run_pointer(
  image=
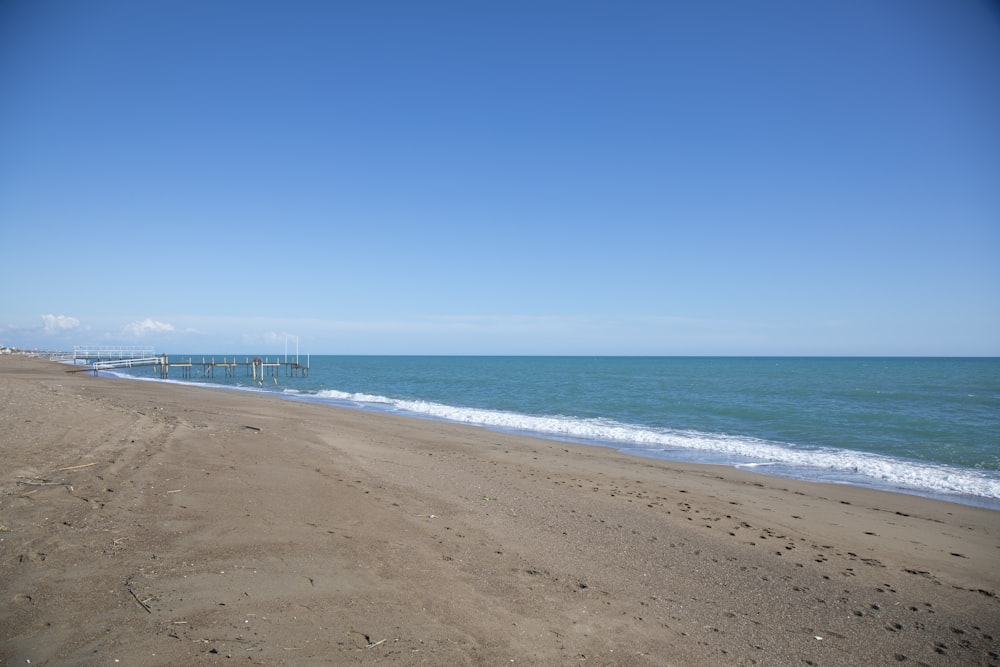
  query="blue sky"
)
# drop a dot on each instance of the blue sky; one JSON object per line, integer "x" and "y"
{"x": 729, "y": 177}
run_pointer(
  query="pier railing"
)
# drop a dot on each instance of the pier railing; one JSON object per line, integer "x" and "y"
{"x": 126, "y": 363}
{"x": 255, "y": 367}
{"x": 89, "y": 353}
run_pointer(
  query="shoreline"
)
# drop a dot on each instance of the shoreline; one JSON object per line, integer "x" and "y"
{"x": 161, "y": 523}
{"x": 779, "y": 469}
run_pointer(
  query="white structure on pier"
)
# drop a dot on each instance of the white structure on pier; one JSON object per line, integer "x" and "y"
{"x": 87, "y": 353}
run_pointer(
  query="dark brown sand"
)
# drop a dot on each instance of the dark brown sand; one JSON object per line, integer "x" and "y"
{"x": 154, "y": 524}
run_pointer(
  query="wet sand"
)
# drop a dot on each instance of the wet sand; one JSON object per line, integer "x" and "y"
{"x": 154, "y": 524}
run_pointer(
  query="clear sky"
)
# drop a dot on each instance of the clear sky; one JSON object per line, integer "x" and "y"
{"x": 528, "y": 177}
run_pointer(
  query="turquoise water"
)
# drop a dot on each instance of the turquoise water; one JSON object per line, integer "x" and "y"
{"x": 917, "y": 425}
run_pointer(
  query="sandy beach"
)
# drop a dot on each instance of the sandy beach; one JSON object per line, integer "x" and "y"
{"x": 147, "y": 523}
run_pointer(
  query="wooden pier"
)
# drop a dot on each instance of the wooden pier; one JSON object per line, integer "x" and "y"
{"x": 256, "y": 367}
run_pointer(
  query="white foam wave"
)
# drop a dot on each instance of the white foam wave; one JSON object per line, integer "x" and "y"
{"x": 742, "y": 450}
{"x": 356, "y": 398}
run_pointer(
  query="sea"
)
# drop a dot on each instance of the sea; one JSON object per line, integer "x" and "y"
{"x": 920, "y": 426}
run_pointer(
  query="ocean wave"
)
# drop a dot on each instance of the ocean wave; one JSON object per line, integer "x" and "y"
{"x": 745, "y": 451}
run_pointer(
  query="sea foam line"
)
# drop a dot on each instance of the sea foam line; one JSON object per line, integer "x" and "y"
{"x": 884, "y": 470}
